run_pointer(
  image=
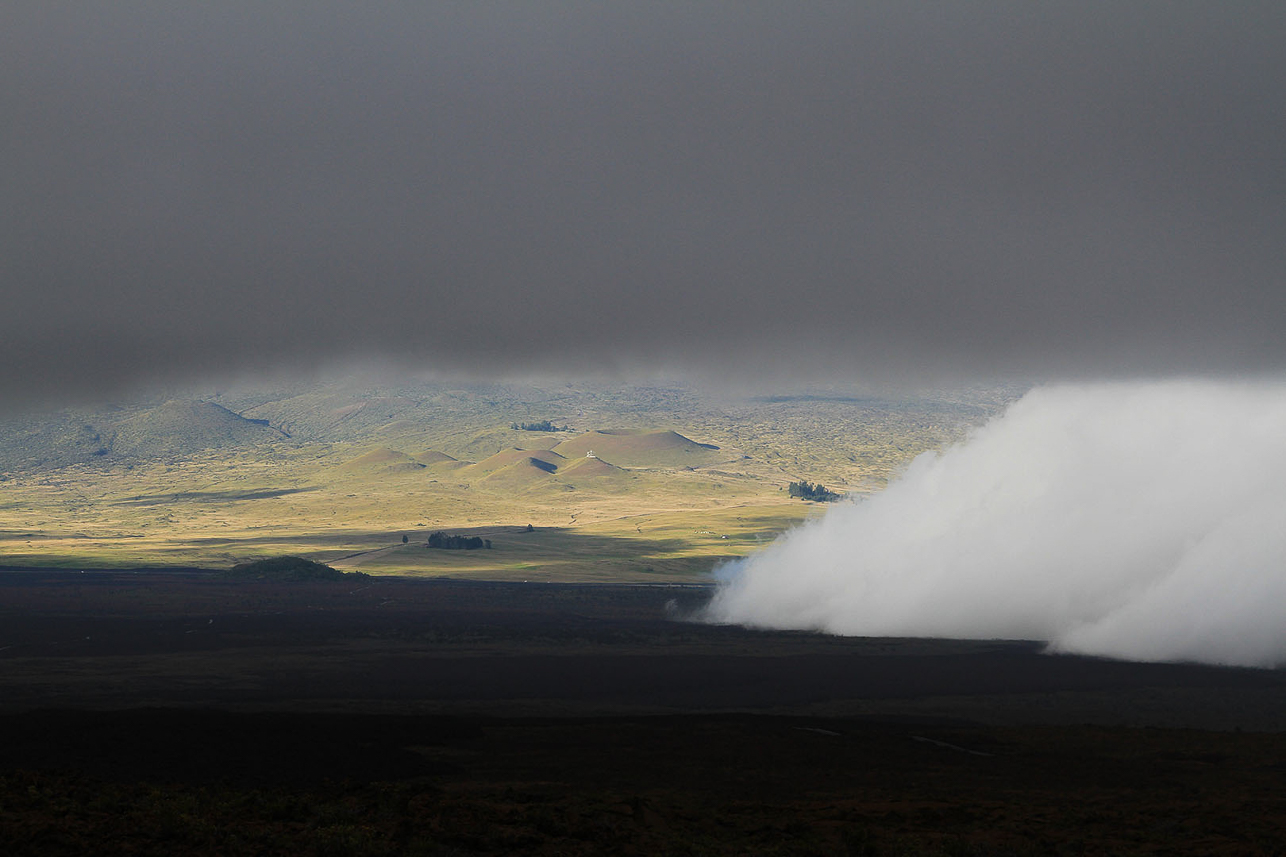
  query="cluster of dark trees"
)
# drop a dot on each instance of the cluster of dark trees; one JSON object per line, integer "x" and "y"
{"x": 809, "y": 491}
{"x": 458, "y": 543}
{"x": 543, "y": 425}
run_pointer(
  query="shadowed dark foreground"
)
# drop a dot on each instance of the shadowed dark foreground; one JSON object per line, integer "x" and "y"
{"x": 160, "y": 713}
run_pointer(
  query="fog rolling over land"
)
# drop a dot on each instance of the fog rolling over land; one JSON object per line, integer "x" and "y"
{"x": 1139, "y": 521}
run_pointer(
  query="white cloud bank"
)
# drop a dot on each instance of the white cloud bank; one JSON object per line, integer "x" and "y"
{"x": 1144, "y": 521}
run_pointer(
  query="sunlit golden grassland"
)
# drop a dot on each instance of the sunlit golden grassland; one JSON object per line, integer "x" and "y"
{"x": 669, "y": 508}
{"x": 217, "y": 510}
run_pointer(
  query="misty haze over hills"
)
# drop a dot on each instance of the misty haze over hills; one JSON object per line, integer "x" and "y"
{"x": 467, "y": 421}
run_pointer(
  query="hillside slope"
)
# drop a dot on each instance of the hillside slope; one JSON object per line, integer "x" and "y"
{"x": 182, "y": 427}
{"x": 173, "y": 429}
{"x": 540, "y": 458}
{"x": 50, "y": 441}
{"x": 640, "y": 448}
{"x": 383, "y": 460}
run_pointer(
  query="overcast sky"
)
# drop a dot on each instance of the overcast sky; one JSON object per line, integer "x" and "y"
{"x": 855, "y": 191}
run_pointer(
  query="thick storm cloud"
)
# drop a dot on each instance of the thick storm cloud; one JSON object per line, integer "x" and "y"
{"x": 900, "y": 190}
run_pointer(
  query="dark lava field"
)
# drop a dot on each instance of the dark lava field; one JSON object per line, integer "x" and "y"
{"x": 179, "y": 712}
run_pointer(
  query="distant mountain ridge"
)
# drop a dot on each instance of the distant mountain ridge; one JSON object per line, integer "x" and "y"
{"x": 183, "y": 427}
{"x": 438, "y": 428}
{"x": 176, "y": 428}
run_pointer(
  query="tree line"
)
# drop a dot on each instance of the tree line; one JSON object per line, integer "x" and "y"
{"x": 543, "y": 425}
{"x": 808, "y": 491}
{"x": 454, "y": 542}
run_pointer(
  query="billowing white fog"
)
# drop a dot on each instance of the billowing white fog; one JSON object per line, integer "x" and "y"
{"x": 1136, "y": 520}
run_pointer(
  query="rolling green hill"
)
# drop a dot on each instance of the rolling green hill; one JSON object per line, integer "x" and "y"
{"x": 183, "y": 427}
{"x": 543, "y": 460}
{"x": 177, "y": 428}
{"x": 593, "y": 472}
{"x": 383, "y": 460}
{"x": 51, "y": 441}
{"x": 640, "y": 448}
{"x": 523, "y": 475}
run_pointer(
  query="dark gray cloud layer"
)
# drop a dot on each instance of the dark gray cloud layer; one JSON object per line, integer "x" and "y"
{"x": 873, "y": 190}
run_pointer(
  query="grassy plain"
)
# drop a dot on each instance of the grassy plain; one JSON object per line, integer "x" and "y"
{"x": 340, "y": 474}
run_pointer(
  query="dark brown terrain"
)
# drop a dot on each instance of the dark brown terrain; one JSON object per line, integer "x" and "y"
{"x": 161, "y": 713}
